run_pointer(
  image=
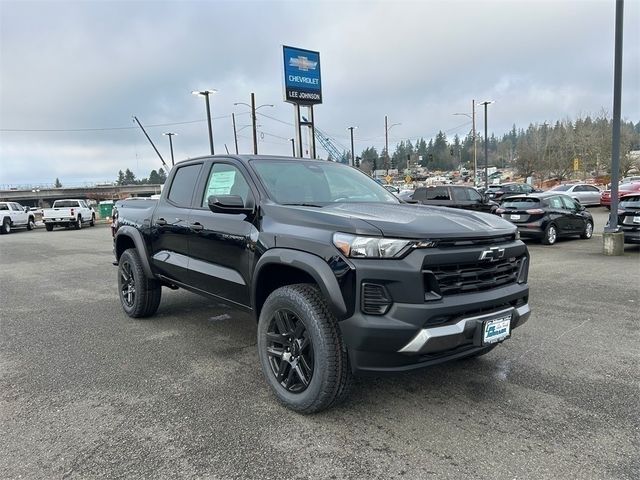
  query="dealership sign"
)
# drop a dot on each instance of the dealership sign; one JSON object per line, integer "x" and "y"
{"x": 302, "y": 83}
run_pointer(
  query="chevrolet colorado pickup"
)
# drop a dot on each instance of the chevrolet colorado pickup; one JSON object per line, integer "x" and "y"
{"x": 342, "y": 277}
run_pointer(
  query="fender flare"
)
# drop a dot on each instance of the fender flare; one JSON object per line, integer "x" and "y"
{"x": 315, "y": 266}
{"x": 138, "y": 241}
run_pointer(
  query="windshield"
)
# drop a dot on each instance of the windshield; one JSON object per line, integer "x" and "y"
{"x": 631, "y": 202}
{"x": 65, "y": 203}
{"x": 561, "y": 188}
{"x": 521, "y": 203}
{"x": 318, "y": 183}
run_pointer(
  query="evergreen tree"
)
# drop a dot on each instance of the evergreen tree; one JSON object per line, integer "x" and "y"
{"x": 163, "y": 175}
{"x": 129, "y": 177}
{"x": 57, "y": 184}
{"x": 120, "y": 180}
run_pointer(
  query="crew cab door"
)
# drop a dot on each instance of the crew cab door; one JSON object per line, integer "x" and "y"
{"x": 169, "y": 228}
{"x": 221, "y": 245}
{"x": 18, "y": 215}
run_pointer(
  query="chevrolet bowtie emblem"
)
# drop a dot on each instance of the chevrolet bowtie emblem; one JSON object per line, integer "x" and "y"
{"x": 303, "y": 63}
{"x": 493, "y": 254}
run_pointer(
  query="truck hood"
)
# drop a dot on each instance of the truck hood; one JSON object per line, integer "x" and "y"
{"x": 405, "y": 220}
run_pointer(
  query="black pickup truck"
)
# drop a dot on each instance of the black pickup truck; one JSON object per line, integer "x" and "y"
{"x": 342, "y": 277}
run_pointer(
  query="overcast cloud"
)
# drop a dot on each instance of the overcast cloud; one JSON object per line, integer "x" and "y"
{"x": 78, "y": 65}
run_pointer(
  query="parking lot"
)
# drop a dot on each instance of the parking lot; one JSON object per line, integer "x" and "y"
{"x": 85, "y": 391}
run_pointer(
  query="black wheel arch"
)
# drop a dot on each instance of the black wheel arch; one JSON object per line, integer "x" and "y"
{"x": 291, "y": 267}
{"x": 128, "y": 237}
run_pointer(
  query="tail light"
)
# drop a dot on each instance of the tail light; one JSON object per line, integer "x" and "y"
{"x": 535, "y": 211}
{"x": 72, "y": 212}
{"x": 500, "y": 210}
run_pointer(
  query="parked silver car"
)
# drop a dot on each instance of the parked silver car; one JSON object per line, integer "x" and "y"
{"x": 583, "y": 192}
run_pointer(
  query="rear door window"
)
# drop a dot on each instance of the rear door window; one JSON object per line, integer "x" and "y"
{"x": 183, "y": 185}
{"x": 438, "y": 193}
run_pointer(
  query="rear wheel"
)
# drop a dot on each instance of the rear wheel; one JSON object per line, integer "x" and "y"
{"x": 49, "y": 227}
{"x": 139, "y": 295}
{"x": 588, "y": 231}
{"x": 550, "y": 235}
{"x": 301, "y": 351}
{"x": 78, "y": 224}
{"x": 6, "y": 226}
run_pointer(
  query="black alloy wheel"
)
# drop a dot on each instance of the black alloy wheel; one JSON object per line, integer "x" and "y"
{"x": 127, "y": 284}
{"x": 290, "y": 351}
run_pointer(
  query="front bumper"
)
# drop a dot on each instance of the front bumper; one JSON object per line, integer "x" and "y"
{"x": 631, "y": 235}
{"x": 413, "y": 336}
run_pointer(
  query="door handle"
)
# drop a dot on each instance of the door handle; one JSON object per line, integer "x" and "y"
{"x": 196, "y": 227}
{"x": 161, "y": 222}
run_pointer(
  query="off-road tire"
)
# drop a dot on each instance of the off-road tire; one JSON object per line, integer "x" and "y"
{"x": 588, "y": 231}
{"x": 6, "y": 226}
{"x": 31, "y": 224}
{"x": 78, "y": 224}
{"x": 332, "y": 377}
{"x": 49, "y": 227}
{"x": 550, "y": 234}
{"x": 147, "y": 291}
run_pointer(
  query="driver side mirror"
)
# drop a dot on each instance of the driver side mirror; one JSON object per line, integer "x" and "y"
{"x": 26, "y": 209}
{"x": 229, "y": 204}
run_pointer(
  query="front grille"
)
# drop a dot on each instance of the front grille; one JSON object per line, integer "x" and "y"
{"x": 467, "y": 242}
{"x": 473, "y": 277}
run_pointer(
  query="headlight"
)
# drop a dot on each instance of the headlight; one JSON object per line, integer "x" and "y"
{"x": 375, "y": 247}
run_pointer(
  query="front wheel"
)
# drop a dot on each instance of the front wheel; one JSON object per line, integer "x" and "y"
{"x": 588, "y": 231}
{"x": 550, "y": 235}
{"x": 31, "y": 224}
{"x": 301, "y": 349}
{"x": 6, "y": 226}
{"x": 93, "y": 221}
{"x": 139, "y": 295}
{"x": 49, "y": 227}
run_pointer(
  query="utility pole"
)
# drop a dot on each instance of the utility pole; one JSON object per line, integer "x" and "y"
{"x": 293, "y": 146}
{"x": 253, "y": 120}
{"x": 235, "y": 133}
{"x": 205, "y": 94}
{"x": 486, "y": 145}
{"x": 353, "y": 153}
{"x": 475, "y": 161}
{"x": 171, "y": 134}
{"x": 386, "y": 141}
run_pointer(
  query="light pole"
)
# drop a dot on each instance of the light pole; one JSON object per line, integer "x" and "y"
{"x": 37, "y": 191}
{"x": 486, "y": 144}
{"x": 235, "y": 133}
{"x": 386, "y": 136}
{"x": 253, "y": 118}
{"x": 293, "y": 146}
{"x": 473, "y": 132}
{"x": 171, "y": 134}
{"x": 353, "y": 153}
{"x": 205, "y": 94}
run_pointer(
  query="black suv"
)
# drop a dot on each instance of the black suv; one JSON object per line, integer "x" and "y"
{"x": 506, "y": 190}
{"x": 341, "y": 276}
{"x": 455, "y": 196}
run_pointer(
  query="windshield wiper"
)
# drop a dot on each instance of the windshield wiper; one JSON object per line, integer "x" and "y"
{"x": 304, "y": 205}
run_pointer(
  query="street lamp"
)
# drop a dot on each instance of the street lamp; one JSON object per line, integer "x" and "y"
{"x": 473, "y": 120}
{"x": 486, "y": 144}
{"x": 353, "y": 153}
{"x": 205, "y": 94}
{"x": 386, "y": 136}
{"x": 171, "y": 134}
{"x": 37, "y": 191}
{"x": 253, "y": 118}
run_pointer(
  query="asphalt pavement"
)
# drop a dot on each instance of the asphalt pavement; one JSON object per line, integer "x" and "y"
{"x": 87, "y": 392}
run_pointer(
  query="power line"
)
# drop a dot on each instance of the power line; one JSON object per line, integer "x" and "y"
{"x": 104, "y": 129}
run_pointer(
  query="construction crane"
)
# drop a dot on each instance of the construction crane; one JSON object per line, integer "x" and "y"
{"x": 328, "y": 144}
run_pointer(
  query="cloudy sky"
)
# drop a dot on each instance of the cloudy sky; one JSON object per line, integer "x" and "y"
{"x": 72, "y": 74}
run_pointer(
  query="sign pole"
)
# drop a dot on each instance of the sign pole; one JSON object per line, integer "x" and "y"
{"x": 312, "y": 130}
{"x": 298, "y": 130}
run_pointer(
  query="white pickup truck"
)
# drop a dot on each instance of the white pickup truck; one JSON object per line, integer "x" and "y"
{"x": 13, "y": 215}
{"x": 67, "y": 213}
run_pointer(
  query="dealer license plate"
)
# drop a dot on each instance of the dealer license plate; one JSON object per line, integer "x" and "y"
{"x": 515, "y": 217}
{"x": 496, "y": 330}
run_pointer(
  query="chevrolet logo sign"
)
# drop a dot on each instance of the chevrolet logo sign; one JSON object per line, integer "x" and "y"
{"x": 493, "y": 254}
{"x": 303, "y": 63}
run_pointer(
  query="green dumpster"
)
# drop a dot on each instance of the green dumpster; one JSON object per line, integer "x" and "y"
{"x": 105, "y": 208}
